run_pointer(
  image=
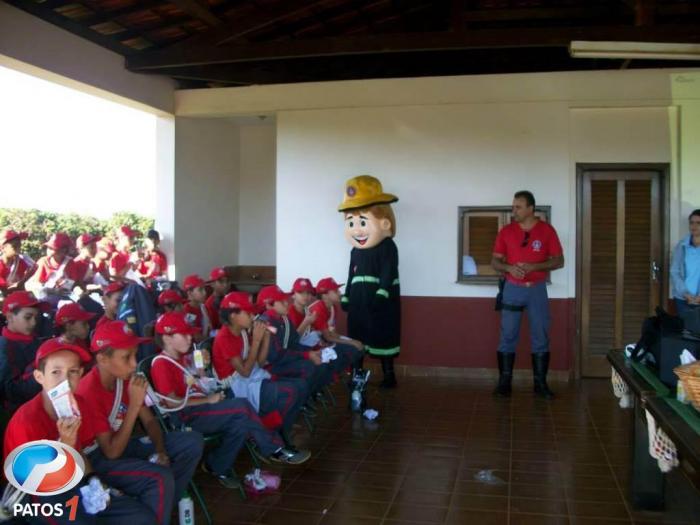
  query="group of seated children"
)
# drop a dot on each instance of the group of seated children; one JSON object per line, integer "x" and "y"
{"x": 267, "y": 363}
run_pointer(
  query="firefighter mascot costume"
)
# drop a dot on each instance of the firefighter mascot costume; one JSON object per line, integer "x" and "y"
{"x": 372, "y": 296}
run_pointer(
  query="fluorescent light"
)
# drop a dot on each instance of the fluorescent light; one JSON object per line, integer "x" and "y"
{"x": 634, "y": 50}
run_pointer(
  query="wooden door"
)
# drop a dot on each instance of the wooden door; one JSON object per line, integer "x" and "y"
{"x": 620, "y": 259}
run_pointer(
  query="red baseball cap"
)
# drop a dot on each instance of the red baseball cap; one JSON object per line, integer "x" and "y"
{"x": 23, "y": 299}
{"x": 193, "y": 281}
{"x": 128, "y": 232}
{"x": 72, "y": 312}
{"x": 57, "y": 344}
{"x": 238, "y": 300}
{"x": 170, "y": 297}
{"x": 86, "y": 238}
{"x": 174, "y": 323}
{"x": 58, "y": 241}
{"x": 216, "y": 274}
{"x": 326, "y": 285}
{"x": 113, "y": 287}
{"x": 302, "y": 284}
{"x": 115, "y": 334}
{"x": 10, "y": 235}
{"x": 271, "y": 294}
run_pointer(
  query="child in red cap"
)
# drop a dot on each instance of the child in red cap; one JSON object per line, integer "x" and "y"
{"x": 239, "y": 347}
{"x": 171, "y": 301}
{"x": 15, "y": 267}
{"x": 115, "y": 400}
{"x": 303, "y": 294}
{"x": 220, "y": 286}
{"x": 195, "y": 311}
{"x": 72, "y": 323}
{"x": 18, "y": 346}
{"x": 57, "y": 361}
{"x": 350, "y": 351}
{"x": 56, "y": 273}
{"x": 286, "y": 356}
{"x": 190, "y": 402}
{"x": 111, "y": 297}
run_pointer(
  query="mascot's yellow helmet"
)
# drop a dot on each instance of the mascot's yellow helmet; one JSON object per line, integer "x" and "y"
{"x": 364, "y": 191}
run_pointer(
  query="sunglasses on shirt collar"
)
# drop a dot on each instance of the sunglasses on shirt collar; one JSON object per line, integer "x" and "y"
{"x": 525, "y": 240}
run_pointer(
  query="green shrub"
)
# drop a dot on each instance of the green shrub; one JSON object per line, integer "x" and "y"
{"x": 41, "y": 224}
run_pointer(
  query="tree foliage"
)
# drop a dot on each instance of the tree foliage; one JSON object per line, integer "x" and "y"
{"x": 41, "y": 224}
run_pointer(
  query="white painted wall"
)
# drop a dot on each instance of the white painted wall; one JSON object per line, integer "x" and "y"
{"x": 207, "y": 159}
{"x": 258, "y": 153}
{"x": 440, "y": 143}
{"x": 435, "y": 158}
{"x": 37, "y": 47}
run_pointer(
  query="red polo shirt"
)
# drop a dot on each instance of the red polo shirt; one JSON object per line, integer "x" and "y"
{"x": 541, "y": 244}
{"x": 325, "y": 318}
{"x": 22, "y": 268}
{"x": 99, "y": 402}
{"x": 46, "y": 266}
{"x": 83, "y": 266}
{"x": 31, "y": 422}
{"x": 295, "y": 316}
{"x": 227, "y": 345}
{"x": 155, "y": 266}
{"x": 168, "y": 378}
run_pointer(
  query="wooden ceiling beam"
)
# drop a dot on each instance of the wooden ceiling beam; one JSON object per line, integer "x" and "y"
{"x": 199, "y": 10}
{"x": 57, "y": 19}
{"x": 542, "y": 13}
{"x": 409, "y": 42}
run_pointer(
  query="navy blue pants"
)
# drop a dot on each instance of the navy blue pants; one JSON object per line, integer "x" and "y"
{"x": 155, "y": 486}
{"x": 237, "y": 421}
{"x": 121, "y": 509}
{"x": 296, "y": 367}
{"x": 284, "y": 395}
{"x": 348, "y": 357}
{"x": 534, "y": 299}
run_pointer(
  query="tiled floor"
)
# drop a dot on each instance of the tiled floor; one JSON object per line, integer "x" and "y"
{"x": 560, "y": 462}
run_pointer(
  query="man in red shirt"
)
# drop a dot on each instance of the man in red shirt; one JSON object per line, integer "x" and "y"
{"x": 526, "y": 250}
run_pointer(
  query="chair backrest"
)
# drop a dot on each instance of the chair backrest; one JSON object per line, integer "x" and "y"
{"x": 144, "y": 367}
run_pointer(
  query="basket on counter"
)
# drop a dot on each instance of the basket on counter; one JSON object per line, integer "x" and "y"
{"x": 689, "y": 375}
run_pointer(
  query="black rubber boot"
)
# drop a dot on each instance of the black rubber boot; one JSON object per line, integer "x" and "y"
{"x": 540, "y": 365}
{"x": 389, "y": 380}
{"x": 505, "y": 374}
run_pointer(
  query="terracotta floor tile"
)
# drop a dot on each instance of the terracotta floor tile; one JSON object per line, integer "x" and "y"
{"x": 418, "y": 513}
{"x": 561, "y": 462}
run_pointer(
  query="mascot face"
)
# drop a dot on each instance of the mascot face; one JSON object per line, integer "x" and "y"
{"x": 363, "y": 230}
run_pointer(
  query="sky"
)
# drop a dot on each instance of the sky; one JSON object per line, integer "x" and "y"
{"x": 62, "y": 150}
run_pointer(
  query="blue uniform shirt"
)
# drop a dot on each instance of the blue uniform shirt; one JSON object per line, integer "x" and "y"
{"x": 692, "y": 267}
